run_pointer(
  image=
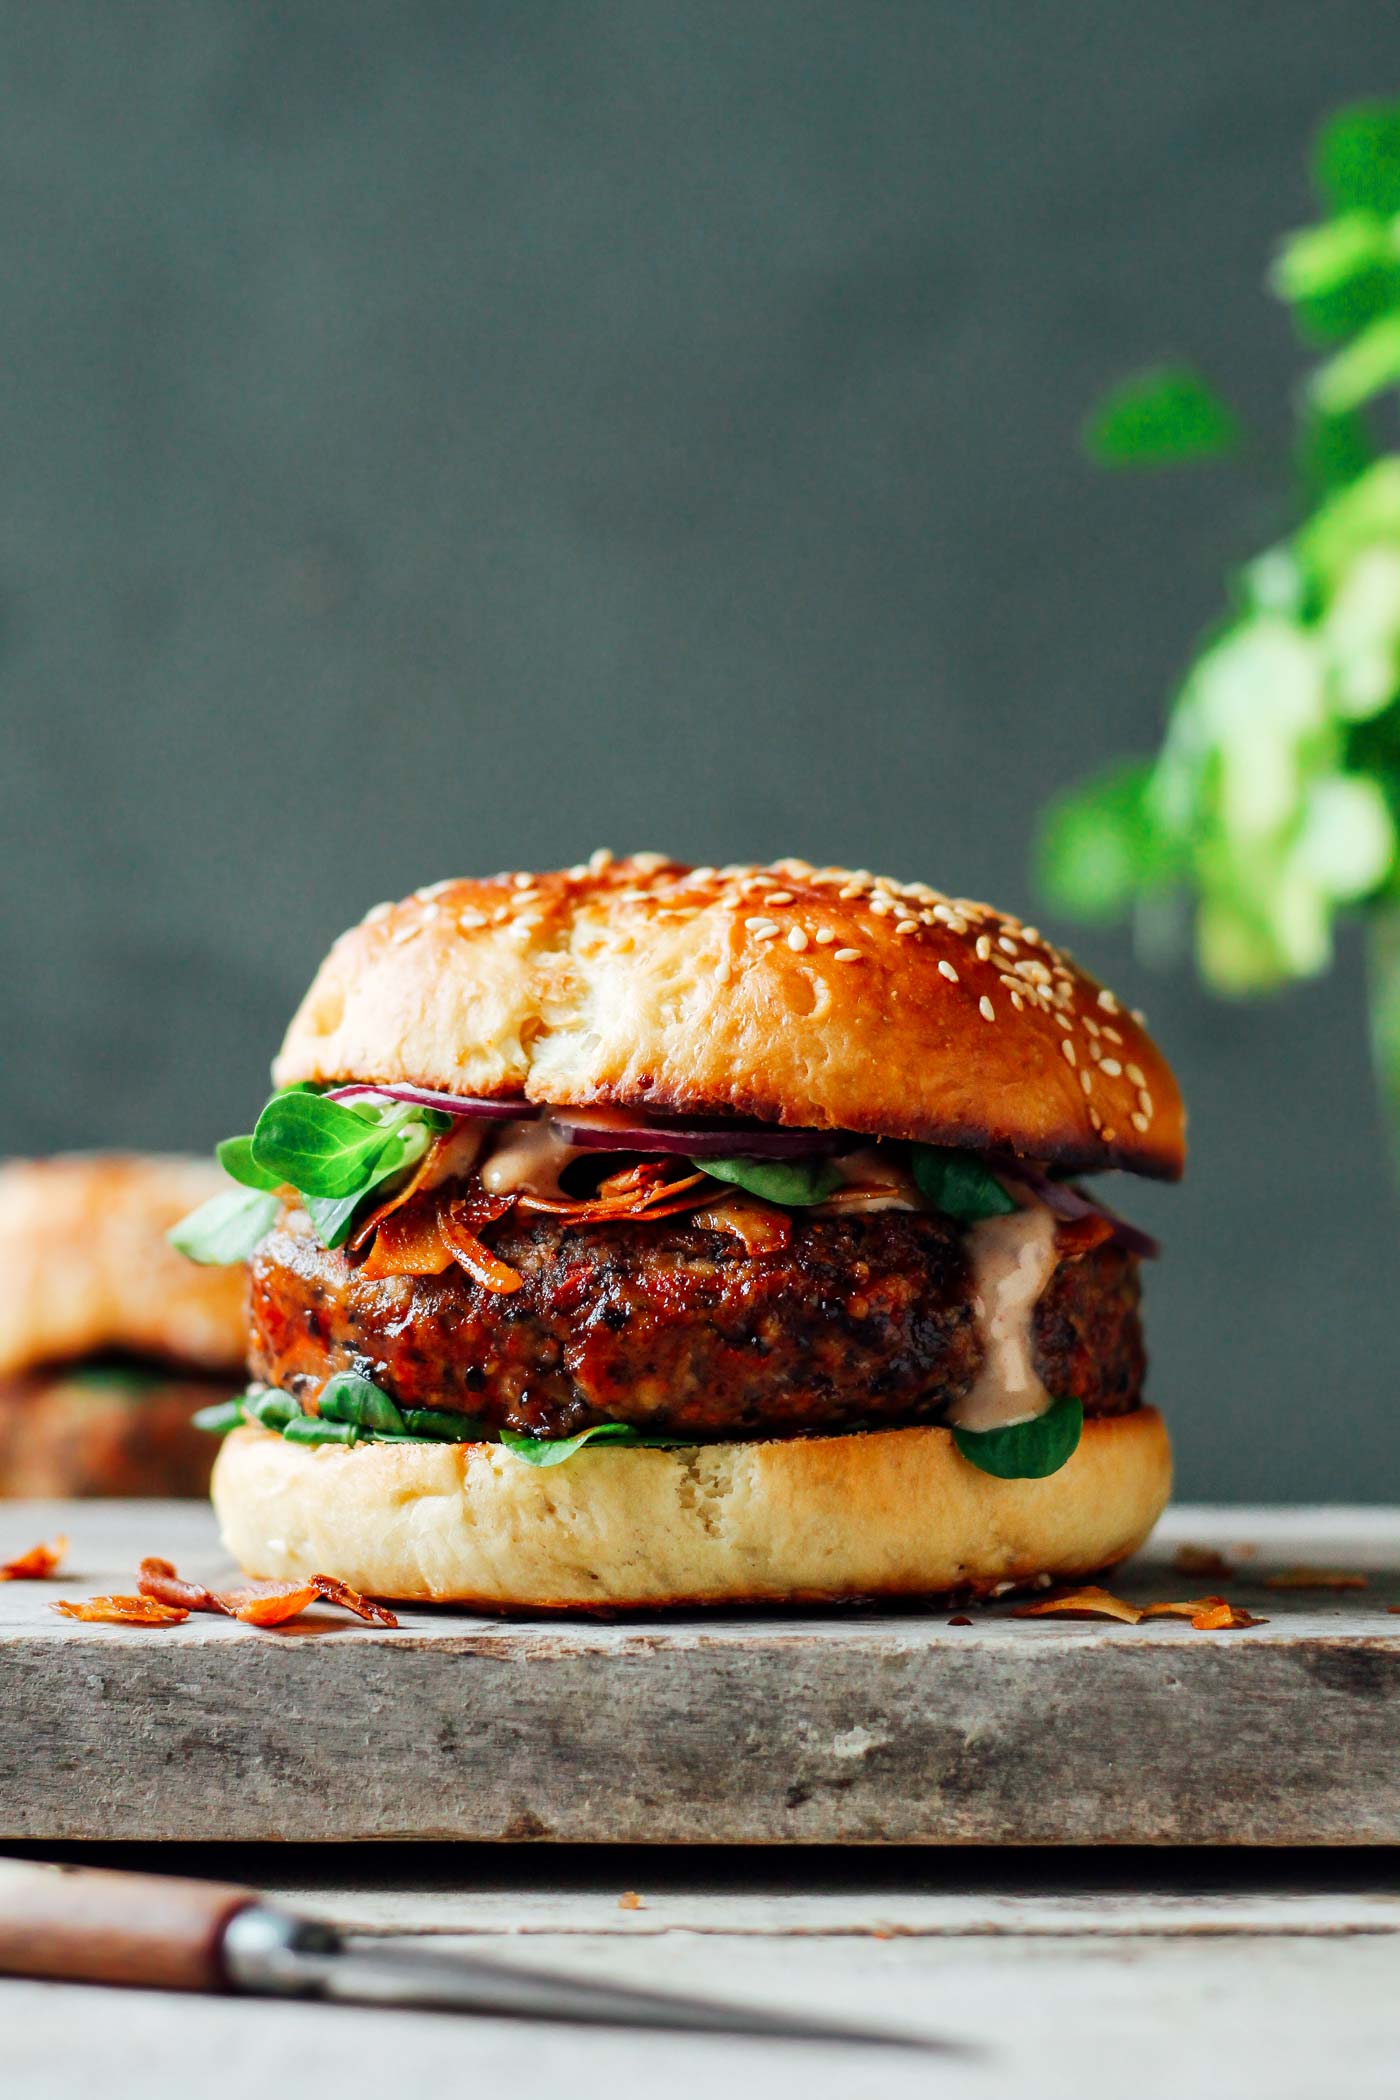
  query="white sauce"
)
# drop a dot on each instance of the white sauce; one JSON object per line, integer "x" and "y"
{"x": 527, "y": 1160}
{"x": 1013, "y": 1258}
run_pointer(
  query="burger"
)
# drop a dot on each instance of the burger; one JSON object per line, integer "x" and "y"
{"x": 109, "y": 1343}
{"x": 642, "y": 1235}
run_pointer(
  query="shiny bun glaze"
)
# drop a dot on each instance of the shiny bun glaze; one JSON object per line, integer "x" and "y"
{"x": 811, "y": 997}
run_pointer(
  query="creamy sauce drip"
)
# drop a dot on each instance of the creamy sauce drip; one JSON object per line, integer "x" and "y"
{"x": 1013, "y": 1259}
{"x": 528, "y": 1159}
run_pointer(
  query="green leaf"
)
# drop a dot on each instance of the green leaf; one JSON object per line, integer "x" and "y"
{"x": 441, "y": 1425}
{"x": 274, "y": 1409}
{"x": 1027, "y": 1450}
{"x": 1356, "y": 158}
{"x": 348, "y": 1398}
{"x": 321, "y": 1147}
{"x": 795, "y": 1183}
{"x": 1102, "y": 845}
{"x": 1332, "y": 450}
{"x": 310, "y": 1429}
{"x": 1165, "y": 417}
{"x": 552, "y": 1451}
{"x": 1347, "y": 841}
{"x": 221, "y": 1418}
{"x": 958, "y": 1184}
{"x": 1362, "y": 515}
{"x": 1340, "y": 275}
{"x": 1383, "y": 958}
{"x": 1364, "y": 369}
{"x": 226, "y": 1228}
{"x": 235, "y": 1156}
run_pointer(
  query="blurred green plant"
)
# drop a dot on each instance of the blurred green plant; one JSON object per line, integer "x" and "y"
{"x": 1273, "y": 803}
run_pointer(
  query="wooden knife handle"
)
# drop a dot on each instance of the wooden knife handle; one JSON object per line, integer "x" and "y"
{"x": 85, "y": 1925}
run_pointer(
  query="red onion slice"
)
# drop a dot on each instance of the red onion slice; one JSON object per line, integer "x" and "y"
{"x": 446, "y": 1104}
{"x": 1071, "y": 1203}
{"x": 618, "y": 1130}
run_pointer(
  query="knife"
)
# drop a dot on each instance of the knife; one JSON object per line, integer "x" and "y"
{"x": 90, "y": 1925}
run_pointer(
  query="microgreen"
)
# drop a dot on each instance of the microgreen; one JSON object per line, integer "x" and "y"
{"x": 795, "y": 1183}
{"x": 1025, "y": 1450}
{"x": 226, "y": 1228}
{"x": 332, "y": 1153}
{"x": 958, "y": 1184}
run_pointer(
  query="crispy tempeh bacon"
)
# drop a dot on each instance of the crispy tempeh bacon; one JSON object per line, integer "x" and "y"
{"x": 256, "y": 1603}
{"x": 269, "y": 1604}
{"x": 1088, "y": 1603}
{"x": 121, "y": 1611}
{"x": 408, "y": 1244}
{"x": 454, "y": 1226}
{"x": 37, "y": 1564}
{"x": 158, "y": 1579}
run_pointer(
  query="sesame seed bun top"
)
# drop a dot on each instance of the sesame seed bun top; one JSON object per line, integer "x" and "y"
{"x": 805, "y": 996}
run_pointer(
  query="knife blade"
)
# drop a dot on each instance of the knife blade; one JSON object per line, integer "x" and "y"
{"x": 91, "y": 1925}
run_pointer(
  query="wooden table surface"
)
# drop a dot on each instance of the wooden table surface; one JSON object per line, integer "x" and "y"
{"x": 1085, "y": 1972}
{"x": 1072, "y": 1976}
{"x": 867, "y": 1726}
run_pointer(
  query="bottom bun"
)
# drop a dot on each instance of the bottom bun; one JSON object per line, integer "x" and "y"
{"x": 895, "y": 1512}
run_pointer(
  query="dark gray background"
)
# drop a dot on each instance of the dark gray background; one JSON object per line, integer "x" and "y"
{"x": 439, "y": 437}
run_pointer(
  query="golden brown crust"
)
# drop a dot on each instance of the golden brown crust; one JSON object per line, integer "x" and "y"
{"x": 67, "y": 1436}
{"x": 893, "y": 1513}
{"x": 804, "y": 996}
{"x": 85, "y": 1266}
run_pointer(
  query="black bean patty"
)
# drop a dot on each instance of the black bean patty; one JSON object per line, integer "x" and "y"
{"x": 682, "y": 1331}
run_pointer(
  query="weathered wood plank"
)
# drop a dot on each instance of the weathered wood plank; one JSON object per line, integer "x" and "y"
{"x": 866, "y": 1727}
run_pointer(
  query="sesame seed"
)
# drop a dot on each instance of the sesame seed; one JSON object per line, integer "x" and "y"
{"x": 1031, "y": 934}
{"x": 1108, "y": 1133}
{"x": 1096, "y": 1119}
{"x": 1008, "y": 947}
{"x": 377, "y": 911}
{"x": 1018, "y": 1002}
{"x": 1067, "y": 1048}
{"x": 1091, "y": 1026}
{"x": 1113, "y": 1036}
{"x": 764, "y": 929}
{"x": 824, "y": 936}
{"x": 945, "y": 969}
{"x": 648, "y": 863}
{"x": 1108, "y": 1002}
{"x": 578, "y": 871}
{"x": 703, "y": 874}
{"x": 986, "y": 1008}
{"x": 779, "y": 897}
{"x": 881, "y": 905}
{"x": 471, "y": 919}
{"x": 846, "y": 954}
{"x": 1138, "y": 1120}
{"x": 599, "y": 860}
{"x": 945, "y": 912}
{"x": 797, "y": 940}
{"x": 907, "y": 926}
{"x": 984, "y": 947}
{"x": 852, "y": 889}
{"x": 435, "y": 889}
{"x": 401, "y": 934}
{"x": 1064, "y": 1022}
{"x": 1085, "y": 1080}
{"x": 1135, "y": 1074}
{"x": 722, "y": 970}
{"x": 1111, "y": 1068}
{"x": 431, "y": 912}
{"x": 521, "y": 882}
{"x": 1140, "y": 1017}
{"x": 1145, "y": 1102}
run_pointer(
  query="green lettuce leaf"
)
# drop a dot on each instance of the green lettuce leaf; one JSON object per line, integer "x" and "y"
{"x": 958, "y": 1184}
{"x": 1027, "y": 1450}
{"x": 226, "y": 1228}
{"x": 795, "y": 1183}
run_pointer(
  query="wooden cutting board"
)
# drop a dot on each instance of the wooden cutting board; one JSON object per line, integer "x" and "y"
{"x": 864, "y": 1726}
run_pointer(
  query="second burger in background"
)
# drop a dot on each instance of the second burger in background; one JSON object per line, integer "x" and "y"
{"x": 109, "y": 1342}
